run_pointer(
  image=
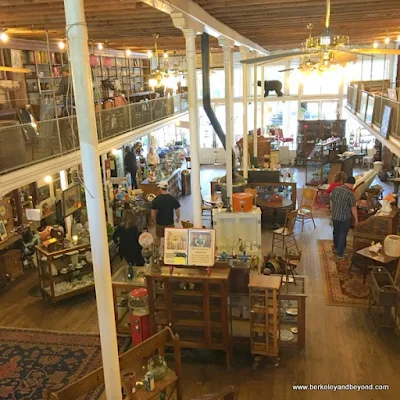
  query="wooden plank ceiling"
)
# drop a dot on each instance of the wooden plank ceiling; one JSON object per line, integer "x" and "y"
{"x": 122, "y": 23}
{"x": 281, "y": 24}
{"x": 274, "y": 24}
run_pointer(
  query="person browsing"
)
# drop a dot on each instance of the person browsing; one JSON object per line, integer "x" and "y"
{"x": 343, "y": 207}
{"x": 163, "y": 208}
{"x": 131, "y": 165}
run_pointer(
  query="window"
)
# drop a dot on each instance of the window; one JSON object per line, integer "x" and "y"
{"x": 329, "y": 109}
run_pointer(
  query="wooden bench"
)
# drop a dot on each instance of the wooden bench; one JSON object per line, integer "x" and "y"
{"x": 133, "y": 359}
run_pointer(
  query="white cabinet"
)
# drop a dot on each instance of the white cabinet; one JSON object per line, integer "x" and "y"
{"x": 238, "y": 229}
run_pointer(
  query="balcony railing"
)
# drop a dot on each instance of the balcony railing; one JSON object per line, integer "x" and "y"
{"x": 26, "y": 144}
{"x": 370, "y": 108}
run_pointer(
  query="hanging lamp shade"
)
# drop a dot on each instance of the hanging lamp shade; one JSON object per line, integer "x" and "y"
{"x": 107, "y": 62}
{"x": 93, "y": 61}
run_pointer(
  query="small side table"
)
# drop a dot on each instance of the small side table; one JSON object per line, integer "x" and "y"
{"x": 374, "y": 259}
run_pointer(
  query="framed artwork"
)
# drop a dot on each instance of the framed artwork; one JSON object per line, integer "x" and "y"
{"x": 3, "y": 231}
{"x": 392, "y": 94}
{"x": 71, "y": 200}
{"x": 354, "y": 97}
{"x": 16, "y": 61}
{"x": 363, "y": 105}
{"x": 175, "y": 246}
{"x": 43, "y": 193}
{"x": 370, "y": 110}
{"x": 385, "y": 125}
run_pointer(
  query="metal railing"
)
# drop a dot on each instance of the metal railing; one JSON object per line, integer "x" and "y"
{"x": 27, "y": 144}
{"x": 370, "y": 107}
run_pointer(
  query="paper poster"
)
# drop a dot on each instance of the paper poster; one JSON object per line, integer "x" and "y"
{"x": 201, "y": 247}
{"x": 175, "y": 246}
{"x": 193, "y": 247}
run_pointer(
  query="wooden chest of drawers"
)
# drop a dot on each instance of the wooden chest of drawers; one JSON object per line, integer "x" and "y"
{"x": 12, "y": 263}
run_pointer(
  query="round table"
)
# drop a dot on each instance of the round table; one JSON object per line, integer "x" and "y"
{"x": 213, "y": 199}
{"x": 274, "y": 205}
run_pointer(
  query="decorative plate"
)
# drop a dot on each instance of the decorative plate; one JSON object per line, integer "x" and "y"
{"x": 285, "y": 335}
{"x": 292, "y": 311}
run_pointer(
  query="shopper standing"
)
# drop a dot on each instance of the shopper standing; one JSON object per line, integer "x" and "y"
{"x": 127, "y": 236}
{"x": 343, "y": 207}
{"x": 162, "y": 210}
{"x": 131, "y": 165}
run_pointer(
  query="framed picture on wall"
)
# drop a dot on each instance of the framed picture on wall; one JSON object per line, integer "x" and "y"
{"x": 43, "y": 193}
{"x": 370, "y": 110}
{"x": 71, "y": 200}
{"x": 363, "y": 105}
{"x": 3, "y": 231}
{"x": 354, "y": 97}
{"x": 387, "y": 112}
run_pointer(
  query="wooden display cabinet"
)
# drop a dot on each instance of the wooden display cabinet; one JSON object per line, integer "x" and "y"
{"x": 50, "y": 265}
{"x": 193, "y": 304}
{"x": 122, "y": 288}
{"x": 292, "y": 298}
{"x": 264, "y": 315}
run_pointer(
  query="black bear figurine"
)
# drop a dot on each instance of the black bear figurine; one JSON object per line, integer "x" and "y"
{"x": 272, "y": 86}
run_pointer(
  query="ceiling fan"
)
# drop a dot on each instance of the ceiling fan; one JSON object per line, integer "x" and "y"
{"x": 330, "y": 49}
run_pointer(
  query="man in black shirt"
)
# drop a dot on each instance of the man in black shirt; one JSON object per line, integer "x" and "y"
{"x": 162, "y": 210}
{"x": 131, "y": 165}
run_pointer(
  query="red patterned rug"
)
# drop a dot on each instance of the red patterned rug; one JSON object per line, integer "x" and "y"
{"x": 31, "y": 360}
{"x": 344, "y": 287}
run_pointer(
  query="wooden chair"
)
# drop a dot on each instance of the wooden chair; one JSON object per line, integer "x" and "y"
{"x": 207, "y": 209}
{"x": 133, "y": 359}
{"x": 307, "y": 206}
{"x": 283, "y": 238}
{"x": 292, "y": 260}
{"x": 253, "y": 192}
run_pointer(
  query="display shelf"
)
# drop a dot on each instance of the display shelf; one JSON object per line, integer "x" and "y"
{"x": 55, "y": 285}
{"x": 264, "y": 314}
{"x": 199, "y": 316}
{"x": 236, "y": 230}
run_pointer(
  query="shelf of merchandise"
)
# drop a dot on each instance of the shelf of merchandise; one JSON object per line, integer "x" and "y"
{"x": 193, "y": 304}
{"x": 131, "y": 73}
{"x": 39, "y": 83}
{"x": 318, "y": 161}
{"x": 292, "y": 298}
{"x": 50, "y": 264}
{"x": 309, "y": 133}
{"x": 233, "y": 228}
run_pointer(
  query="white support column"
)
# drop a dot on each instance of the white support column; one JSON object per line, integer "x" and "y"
{"x": 245, "y": 71}
{"x": 79, "y": 55}
{"x": 106, "y": 183}
{"x": 227, "y": 46}
{"x": 190, "y": 28}
{"x": 262, "y": 98}
{"x": 255, "y": 137}
{"x": 341, "y": 97}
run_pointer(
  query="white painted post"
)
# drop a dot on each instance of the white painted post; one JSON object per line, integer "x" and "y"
{"x": 190, "y": 28}
{"x": 255, "y": 138}
{"x": 245, "y": 71}
{"x": 227, "y": 46}
{"x": 190, "y": 37}
{"x": 262, "y": 99}
{"x": 79, "y": 55}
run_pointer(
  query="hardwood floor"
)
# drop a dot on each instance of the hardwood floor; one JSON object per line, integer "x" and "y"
{"x": 341, "y": 344}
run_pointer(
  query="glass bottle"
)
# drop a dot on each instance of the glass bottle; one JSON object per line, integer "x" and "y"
{"x": 130, "y": 272}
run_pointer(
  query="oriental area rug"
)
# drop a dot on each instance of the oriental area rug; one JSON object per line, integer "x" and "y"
{"x": 344, "y": 287}
{"x": 31, "y": 360}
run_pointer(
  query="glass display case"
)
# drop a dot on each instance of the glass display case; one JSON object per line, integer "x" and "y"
{"x": 65, "y": 270}
{"x": 292, "y": 297}
{"x": 318, "y": 162}
{"x": 122, "y": 288}
{"x": 237, "y": 232}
